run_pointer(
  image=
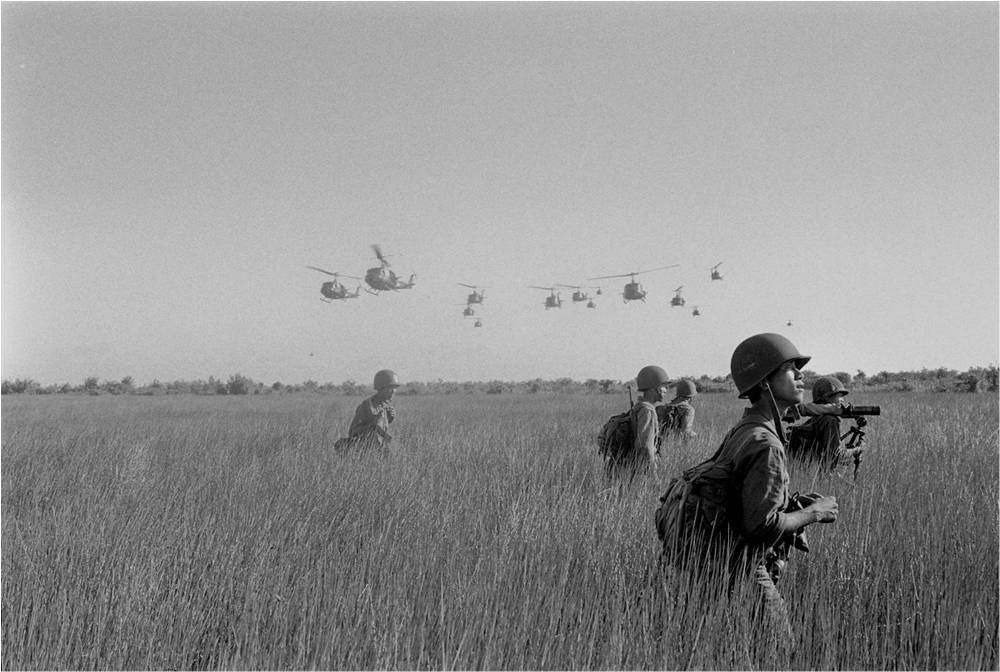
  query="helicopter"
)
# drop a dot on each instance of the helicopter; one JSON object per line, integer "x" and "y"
{"x": 553, "y": 300}
{"x": 476, "y": 296}
{"x": 715, "y": 272}
{"x": 789, "y": 323}
{"x": 695, "y": 312}
{"x": 678, "y": 300}
{"x": 579, "y": 295}
{"x": 468, "y": 312}
{"x": 478, "y": 322}
{"x": 633, "y": 290}
{"x": 333, "y": 290}
{"x": 382, "y": 278}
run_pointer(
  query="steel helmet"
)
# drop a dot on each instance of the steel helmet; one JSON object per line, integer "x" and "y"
{"x": 650, "y": 377}
{"x": 686, "y": 388}
{"x": 826, "y": 387}
{"x": 759, "y": 356}
{"x": 386, "y": 378}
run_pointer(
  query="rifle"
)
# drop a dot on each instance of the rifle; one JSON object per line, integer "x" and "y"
{"x": 855, "y": 411}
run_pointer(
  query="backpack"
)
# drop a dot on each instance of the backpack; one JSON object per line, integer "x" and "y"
{"x": 696, "y": 502}
{"x": 617, "y": 436}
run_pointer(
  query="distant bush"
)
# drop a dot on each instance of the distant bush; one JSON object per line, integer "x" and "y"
{"x": 19, "y": 386}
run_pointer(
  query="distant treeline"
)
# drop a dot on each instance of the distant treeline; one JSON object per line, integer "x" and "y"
{"x": 978, "y": 379}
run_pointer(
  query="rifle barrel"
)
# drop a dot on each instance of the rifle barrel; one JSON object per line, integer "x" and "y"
{"x": 852, "y": 410}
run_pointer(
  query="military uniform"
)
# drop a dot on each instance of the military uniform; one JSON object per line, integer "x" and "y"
{"x": 371, "y": 423}
{"x": 647, "y": 433}
{"x": 736, "y": 508}
{"x": 817, "y": 439}
{"x": 677, "y": 417}
{"x": 731, "y": 517}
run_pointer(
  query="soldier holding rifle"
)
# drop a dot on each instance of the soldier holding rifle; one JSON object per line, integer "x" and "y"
{"x": 818, "y": 439}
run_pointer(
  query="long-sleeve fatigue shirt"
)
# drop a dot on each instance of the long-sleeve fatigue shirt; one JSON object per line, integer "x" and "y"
{"x": 647, "y": 432}
{"x": 372, "y": 419}
{"x": 759, "y": 484}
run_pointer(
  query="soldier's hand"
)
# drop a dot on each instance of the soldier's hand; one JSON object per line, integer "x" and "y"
{"x": 825, "y": 509}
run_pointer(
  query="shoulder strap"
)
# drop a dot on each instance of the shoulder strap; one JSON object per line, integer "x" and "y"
{"x": 742, "y": 423}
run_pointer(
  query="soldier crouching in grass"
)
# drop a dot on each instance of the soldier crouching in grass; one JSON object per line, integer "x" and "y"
{"x": 370, "y": 426}
{"x": 731, "y": 519}
{"x": 817, "y": 440}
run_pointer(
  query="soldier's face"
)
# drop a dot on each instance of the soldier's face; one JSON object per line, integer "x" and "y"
{"x": 787, "y": 384}
{"x": 385, "y": 394}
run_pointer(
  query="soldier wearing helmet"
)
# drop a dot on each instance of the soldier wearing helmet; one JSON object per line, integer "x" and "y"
{"x": 370, "y": 426}
{"x": 652, "y": 382}
{"x": 817, "y": 440}
{"x": 739, "y": 516}
{"x": 677, "y": 416}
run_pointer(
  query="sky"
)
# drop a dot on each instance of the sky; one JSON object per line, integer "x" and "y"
{"x": 169, "y": 171}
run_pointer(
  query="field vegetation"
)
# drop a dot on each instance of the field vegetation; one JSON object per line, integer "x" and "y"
{"x": 202, "y": 532}
{"x": 974, "y": 379}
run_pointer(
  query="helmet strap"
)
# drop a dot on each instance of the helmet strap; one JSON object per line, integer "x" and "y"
{"x": 775, "y": 413}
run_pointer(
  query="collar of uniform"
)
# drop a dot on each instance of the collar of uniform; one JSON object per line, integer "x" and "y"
{"x": 753, "y": 415}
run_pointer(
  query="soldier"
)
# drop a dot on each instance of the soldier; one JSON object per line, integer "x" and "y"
{"x": 736, "y": 514}
{"x": 370, "y": 425}
{"x": 818, "y": 438}
{"x": 652, "y": 382}
{"x": 636, "y": 451}
{"x": 677, "y": 417}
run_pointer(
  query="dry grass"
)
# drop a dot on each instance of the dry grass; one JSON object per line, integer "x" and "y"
{"x": 194, "y": 532}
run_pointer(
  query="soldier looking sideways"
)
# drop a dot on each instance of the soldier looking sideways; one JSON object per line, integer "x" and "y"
{"x": 370, "y": 426}
{"x": 652, "y": 382}
{"x": 733, "y": 512}
{"x": 630, "y": 441}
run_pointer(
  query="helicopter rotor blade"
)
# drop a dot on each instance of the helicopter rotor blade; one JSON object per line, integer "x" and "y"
{"x": 609, "y": 277}
{"x": 629, "y": 275}
{"x": 379, "y": 255}
{"x": 336, "y": 275}
{"x": 547, "y": 289}
{"x": 576, "y": 287}
{"x": 661, "y": 268}
{"x": 470, "y": 286}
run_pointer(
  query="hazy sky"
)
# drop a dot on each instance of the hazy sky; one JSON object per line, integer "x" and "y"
{"x": 170, "y": 169}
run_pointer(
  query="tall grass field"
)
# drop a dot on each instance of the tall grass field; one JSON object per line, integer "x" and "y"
{"x": 187, "y": 532}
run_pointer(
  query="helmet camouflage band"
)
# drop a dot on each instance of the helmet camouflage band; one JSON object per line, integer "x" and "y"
{"x": 386, "y": 378}
{"x": 686, "y": 388}
{"x": 759, "y": 356}
{"x": 826, "y": 387}
{"x": 650, "y": 377}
